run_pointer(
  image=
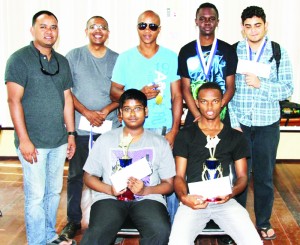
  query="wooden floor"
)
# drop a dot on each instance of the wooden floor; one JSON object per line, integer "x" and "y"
{"x": 285, "y": 218}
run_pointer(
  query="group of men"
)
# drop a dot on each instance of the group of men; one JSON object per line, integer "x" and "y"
{"x": 146, "y": 85}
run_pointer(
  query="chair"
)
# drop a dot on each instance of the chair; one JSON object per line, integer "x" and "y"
{"x": 128, "y": 229}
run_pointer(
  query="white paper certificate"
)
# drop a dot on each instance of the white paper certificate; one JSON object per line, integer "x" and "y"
{"x": 259, "y": 69}
{"x": 211, "y": 188}
{"x": 84, "y": 124}
{"x": 138, "y": 169}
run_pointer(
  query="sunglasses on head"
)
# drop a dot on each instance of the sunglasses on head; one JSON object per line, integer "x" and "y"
{"x": 152, "y": 26}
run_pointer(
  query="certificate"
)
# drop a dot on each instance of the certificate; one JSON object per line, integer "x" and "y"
{"x": 138, "y": 169}
{"x": 259, "y": 69}
{"x": 211, "y": 188}
{"x": 85, "y": 125}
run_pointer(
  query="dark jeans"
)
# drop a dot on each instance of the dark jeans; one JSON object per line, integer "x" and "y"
{"x": 263, "y": 142}
{"x": 107, "y": 216}
{"x": 75, "y": 178}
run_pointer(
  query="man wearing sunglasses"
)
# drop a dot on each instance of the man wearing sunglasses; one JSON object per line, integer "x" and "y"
{"x": 152, "y": 69}
{"x": 39, "y": 84}
{"x": 91, "y": 67}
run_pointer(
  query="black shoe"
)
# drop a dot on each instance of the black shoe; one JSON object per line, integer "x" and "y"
{"x": 70, "y": 230}
{"x": 226, "y": 239}
{"x": 61, "y": 239}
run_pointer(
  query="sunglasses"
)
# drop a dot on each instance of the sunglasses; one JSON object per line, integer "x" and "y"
{"x": 152, "y": 26}
{"x": 47, "y": 72}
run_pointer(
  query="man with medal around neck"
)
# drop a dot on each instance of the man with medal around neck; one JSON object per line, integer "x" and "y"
{"x": 206, "y": 59}
{"x": 255, "y": 110}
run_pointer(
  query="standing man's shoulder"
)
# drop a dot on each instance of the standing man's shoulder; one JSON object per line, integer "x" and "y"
{"x": 112, "y": 53}
{"x": 167, "y": 50}
{"x": 225, "y": 46}
{"x": 61, "y": 58}
{"x": 128, "y": 52}
{"x": 20, "y": 54}
{"x": 76, "y": 51}
{"x": 190, "y": 45}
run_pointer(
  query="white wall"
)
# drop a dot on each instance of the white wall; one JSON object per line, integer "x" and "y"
{"x": 177, "y": 21}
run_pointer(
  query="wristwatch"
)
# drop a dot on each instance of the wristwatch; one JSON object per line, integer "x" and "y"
{"x": 74, "y": 133}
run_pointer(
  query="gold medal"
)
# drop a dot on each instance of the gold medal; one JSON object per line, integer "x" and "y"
{"x": 158, "y": 99}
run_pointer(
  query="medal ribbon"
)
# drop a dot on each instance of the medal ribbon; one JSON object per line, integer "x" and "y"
{"x": 259, "y": 52}
{"x": 91, "y": 142}
{"x": 206, "y": 66}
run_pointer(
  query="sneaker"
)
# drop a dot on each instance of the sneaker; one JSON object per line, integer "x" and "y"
{"x": 70, "y": 230}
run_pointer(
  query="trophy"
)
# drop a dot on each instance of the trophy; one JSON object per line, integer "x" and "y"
{"x": 212, "y": 168}
{"x": 125, "y": 161}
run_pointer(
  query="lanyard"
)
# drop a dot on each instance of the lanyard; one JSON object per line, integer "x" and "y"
{"x": 259, "y": 52}
{"x": 91, "y": 141}
{"x": 206, "y": 66}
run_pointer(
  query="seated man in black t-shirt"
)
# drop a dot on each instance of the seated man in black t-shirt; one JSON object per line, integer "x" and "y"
{"x": 210, "y": 139}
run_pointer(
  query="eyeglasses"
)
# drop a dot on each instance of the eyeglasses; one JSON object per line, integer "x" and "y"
{"x": 96, "y": 27}
{"x": 136, "y": 109}
{"x": 152, "y": 26}
{"x": 47, "y": 72}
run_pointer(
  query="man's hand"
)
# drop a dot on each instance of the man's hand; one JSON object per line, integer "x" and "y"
{"x": 96, "y": 118}
{"x": 115, "y": 193}
{"x": 194, "y": 201}
{"x": 252, "y": 80}
{"x": 136, "y": 186}
{"x": 71, "y": 146}
{"x": 222, "y": 199}
{"x": 28, "y": 151}
{"x": 150, "y": 91}
{"x": 170, "y": 137}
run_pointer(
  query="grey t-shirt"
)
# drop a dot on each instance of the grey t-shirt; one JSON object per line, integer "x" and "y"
{"x": 106, "y": 152}
{"x": 92, "y": 81}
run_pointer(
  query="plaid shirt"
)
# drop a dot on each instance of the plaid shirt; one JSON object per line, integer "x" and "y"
{"x": 260, "y": 106}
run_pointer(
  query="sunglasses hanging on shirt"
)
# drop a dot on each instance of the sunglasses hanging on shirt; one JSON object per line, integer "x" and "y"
{"x": 153, "y": 27}
{"x": 47, "y": 72}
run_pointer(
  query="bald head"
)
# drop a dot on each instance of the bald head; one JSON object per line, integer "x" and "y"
{"x": 149, "y": 13}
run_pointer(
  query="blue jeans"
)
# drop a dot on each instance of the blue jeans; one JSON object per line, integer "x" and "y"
{"x": 263, "y": 143}
{"x": 107, "y": 216}
{"x": 43, "y": 182}
{"x": 75, "y": 178}
{"x": 172, "y": 200}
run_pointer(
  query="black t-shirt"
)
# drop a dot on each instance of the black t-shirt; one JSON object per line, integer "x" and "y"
{"x": 224, "y": 64}
{"x": 190, "y": 144}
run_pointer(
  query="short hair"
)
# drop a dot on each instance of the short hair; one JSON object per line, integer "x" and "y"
{"x": 210, "y": 85}
{"x": 41, "y": 13}
{"x": 207, "y": 5}
{"x": 133, "y": 94}
{"x": 96, "y": 17}
{"x": 252, "y": 11}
